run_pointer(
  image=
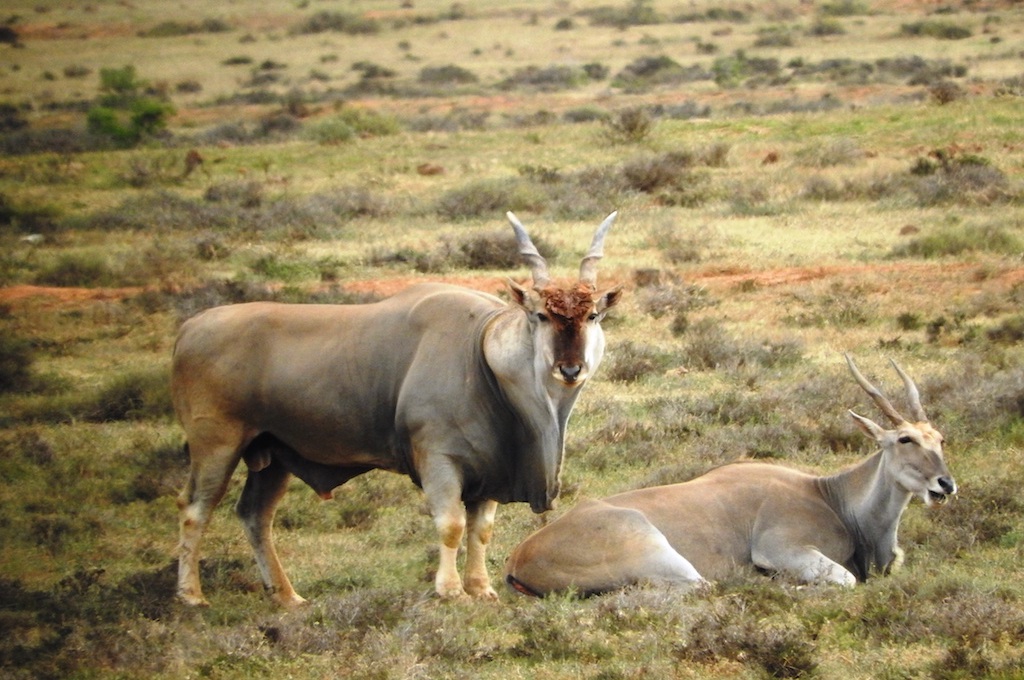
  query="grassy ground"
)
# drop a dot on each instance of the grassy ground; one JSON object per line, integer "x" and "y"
{"x": 773, "y": 214}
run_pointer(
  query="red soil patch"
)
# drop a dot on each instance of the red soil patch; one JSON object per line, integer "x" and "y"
{"x": 937, "y": 280}
{"x": 63, "y": 297}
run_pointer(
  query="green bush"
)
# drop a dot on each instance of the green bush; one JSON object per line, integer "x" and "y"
{"x": 447, "y": 75}
{"x": 86, "y": 270}
{"x": 338, "y": 22}
{"x": 826, "y": 26}
{"x": 943, "y": 30}
{"x": 844, "y": 8}
{"x": 16, "y": 357}
{"x": 958, "y": 239}
{"x": 123, "y": 113}
{"x": 774, "y": 36}
{"x": 498, "y": 250}
{"x": 333, "y": 130}
{"x": 137, "y": 395}
{"x": 634, "y": 13}
{"x": 170, "y": 29}
{"x": 488, "y": 198}
{"x": 629, "y": 126}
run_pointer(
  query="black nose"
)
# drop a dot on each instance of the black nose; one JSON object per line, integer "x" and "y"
{"x": 570, "y": 373}
{"x": 947, "y": 485}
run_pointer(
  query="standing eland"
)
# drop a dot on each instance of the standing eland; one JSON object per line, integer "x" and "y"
{"x": 830, "y": 529}
{"x": 465, "y": 394}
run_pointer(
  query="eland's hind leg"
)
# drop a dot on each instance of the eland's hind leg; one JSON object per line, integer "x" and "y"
{"x": 594, "y": 548}
{"x": 211, "y": 466}
{"x": 263, "y": 489}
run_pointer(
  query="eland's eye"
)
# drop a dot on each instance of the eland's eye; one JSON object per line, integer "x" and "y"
{"x": 593, "y": 317}
{"x": 541, "y": 316}
{"x": 905, "y": 440}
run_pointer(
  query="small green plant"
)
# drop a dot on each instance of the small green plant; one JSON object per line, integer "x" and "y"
{"x": 124, "y": 113}
{"x": 334, "y": 130}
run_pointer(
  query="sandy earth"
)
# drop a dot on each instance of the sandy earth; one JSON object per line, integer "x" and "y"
{"x": 941, "y": 280}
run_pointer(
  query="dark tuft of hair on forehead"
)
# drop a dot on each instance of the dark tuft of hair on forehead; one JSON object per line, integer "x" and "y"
{"x": 574, "y": 303}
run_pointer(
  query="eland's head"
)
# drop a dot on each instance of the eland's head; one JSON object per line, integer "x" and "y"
{"x": 914, "y": 448}
{"x": 566, "y": 321}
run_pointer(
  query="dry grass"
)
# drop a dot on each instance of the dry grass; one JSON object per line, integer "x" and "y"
{"x": 766, "y": 226}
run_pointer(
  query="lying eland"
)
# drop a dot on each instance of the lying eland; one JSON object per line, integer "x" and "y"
{"x": 465, "y": 394}
{"x": 829, "y": 529}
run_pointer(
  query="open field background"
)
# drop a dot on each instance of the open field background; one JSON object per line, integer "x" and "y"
{"x": 794, "y": 180}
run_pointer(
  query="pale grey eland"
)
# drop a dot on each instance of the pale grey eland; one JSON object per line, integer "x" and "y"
{"x": 830, "y": 529}
{"x": 465, "y": 394}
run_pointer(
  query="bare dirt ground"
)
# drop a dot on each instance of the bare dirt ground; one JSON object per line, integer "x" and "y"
{"x": 937, "y": 280}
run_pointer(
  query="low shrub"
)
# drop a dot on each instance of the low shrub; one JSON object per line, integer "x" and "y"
{"x": 28, "y": 217}
{"x": 964, "y": 181}
{"x": 826, "y": 26}
{"x": 337, "y": 22}
{"x": 488, "y": 198}
{"x": 631, "y": 362}
{"x": 87, "y": 270}
{"x": 628, "y": 126}
{"x": 841, "y": 306}
{"x": 172, "y": 28}
{"x": 548, "y": 79}
{"x": 634, "y": 13}
{"x": 77, "y": 71}
{"x": 334, "y": 130}
{"x": 781, "y": 645}
{"x": 774, "y": 36}
{"x": 497, "y": 250}
{"x": 935, "y": 28}
{"x": 1009, "y": 332}
{"x": 17, "y": 355}
{"x": 955, "y": 240}
{"x": 830, "y": 153}
{"x": 844, "y": 8}
{"x": 446, "y": 75}
{"x": 648, "y": 72}
{"x": 946, "y": 92}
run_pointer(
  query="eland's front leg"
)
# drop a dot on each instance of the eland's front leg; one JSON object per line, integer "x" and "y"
{"x": 443, "y": 489}
{"x": 806, "y": 564}
{"x": 480, "y": 528}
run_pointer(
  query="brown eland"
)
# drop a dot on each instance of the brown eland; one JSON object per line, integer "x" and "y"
{"x": 465, "y": 394}
{"x": 814, "y": 529}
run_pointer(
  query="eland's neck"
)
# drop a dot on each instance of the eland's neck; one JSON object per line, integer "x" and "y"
{"x": 870, "y": 502}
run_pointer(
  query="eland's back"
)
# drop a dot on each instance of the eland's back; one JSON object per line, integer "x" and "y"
{"x": 712, "y": 520}
{"x": 326, "y": 379}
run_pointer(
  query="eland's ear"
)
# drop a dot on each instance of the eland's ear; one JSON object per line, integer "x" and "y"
{"x": 524, "y": 297}
{"x": 869, "y": 427}
{"x": 607, "y": 299}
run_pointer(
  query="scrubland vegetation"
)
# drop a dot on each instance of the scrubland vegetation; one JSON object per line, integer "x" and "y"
{"x": 794, "y": 180}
